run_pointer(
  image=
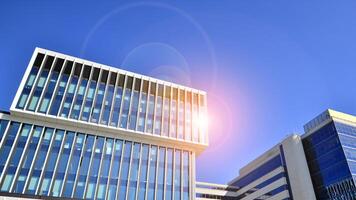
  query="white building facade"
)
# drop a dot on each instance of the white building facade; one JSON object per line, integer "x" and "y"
{"x": 79, "y": 129}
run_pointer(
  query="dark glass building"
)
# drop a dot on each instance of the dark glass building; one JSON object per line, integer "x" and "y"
{"x": 330, "y": 149}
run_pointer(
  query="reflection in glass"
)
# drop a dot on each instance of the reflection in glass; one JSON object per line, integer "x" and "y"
{"x": 29, "y": 82}
{"x": 39, "y": 161}
{"x": 27, "y": 160}
{"x": 15, "y": 158}
{"x": 62, "y": 164}
{"x": 73, "y": 166}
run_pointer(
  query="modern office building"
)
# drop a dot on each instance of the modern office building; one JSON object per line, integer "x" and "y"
{"x": 79, "y": 129}
{"x": 330, "y": 148}
{"x": 279, "y": 173}
{"x": 320, "y": 164}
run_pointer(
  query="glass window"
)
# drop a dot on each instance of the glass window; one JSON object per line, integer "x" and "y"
{"x": 56, "y": 102}
{"x": 125, "y": 170}
{"x": 73, "y": 166}
{"x": 181, "y": 115}
{"x": 108, "y": 100}
{"x": 203, "y": 118}
{"x": 186, "y": 176}
{"x": 84, "y": 167}
{"x": 72, "y": 87}
{"x": 105, "y": 167}
{"x": 151, "y": 108}
{"x": 177, "y": 174}
{"x": 95, "y": 114}
{"x": 51, "y": 162}
{"x": 158, "y": 114}
{"x": 51, "y": 86}
{"x": 117, "y": 101}
{"x": 134, "y": 171}
{"x": 79, "y": 97}
{"x": 143, "y": 106}
{"x": 166, "y": 106}
{"x": 3, "y": 125}
{"x": 188, "y": 117}
{"x": 40, "y": 84}
{"x": 39, "y": 161}
{"x": 62, "y": 164}
{"x": 27, "y": 160}
{"x": 143, "y": 172}
{"x": 134, "y": 105}
{"x": 8, "y": 143}
{"x": 169, "y": 178}
{"x": 173, "y": 129}
{"x": 94, "y": 169}
{"x": 89, "y": 100}
{"x": 15, "y": 158}
{"x": 161, "y": 171}
{"x": 126, "y": 103}
{"x": 195, "y": 118}
{"x": 152, "y": 173}
{"x": 29, "y": 82}
{"x": 115, "y": 168}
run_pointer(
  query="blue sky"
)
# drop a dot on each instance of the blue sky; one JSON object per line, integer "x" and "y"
{"x": 268, "y": 66}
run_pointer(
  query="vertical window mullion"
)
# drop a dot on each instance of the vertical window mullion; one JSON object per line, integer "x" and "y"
{"x": 21, "y": 162}
{"x": 157, "y": 170}
{"x": 70, "y": 78}
{"x": 6, "y": 132}
{"x": 56, "y": 86}
{"x": 122, "y": 100}
{"x": 154, "y": 109}
{"x": 147, "y": 106}
{"x": 130, "y": 104}
{"x": 34, "y": 159}
{"x": 80, "y": 161}
{"x": 51, "y": 70}
{"x": 90, "y": 162}
{"x": 119, "y": 166}
{"x": 28, "y": 80}
{"x": 11, "y": 152}
{"x": 21, "y": 157}
{"x": 75, "y": 91}
{"x": 45, "y": 163}
{"x": 91, "y": 165}
{"x": 85, "y": 93}
{"x": 60, "y": 154}
{"x": 93, "y": 98}
{"x": 101, "y": 112}
{"x": 40, "y": 70}
{"x": 139, "y": 106}
{"x": 173, "y": 172}
{"x": 55, "y": 171}
{"x": 101, "y": 164}
{"x": 114, "y": 98}
{"x": 39, "y": 186}
{"x": 110, "y": 168}
{"x": 69, "y": 161}
{"x": 121, "y": 163}
{"x": 96, "y": 97}
{"x": 148, "y": 170}
{"x": 139, "y": 166}
{"x": 130, "y": 166}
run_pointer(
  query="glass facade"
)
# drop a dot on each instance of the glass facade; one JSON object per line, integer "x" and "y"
{"x": 62, "y": 163}
{"x": 331, "y": 156}
{"x": 75, "y": 90}
{"x": 88, "y": 131}
{"x": 275, "y": 163}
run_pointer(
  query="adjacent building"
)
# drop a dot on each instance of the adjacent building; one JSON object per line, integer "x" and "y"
{"x": 330, "y": 148}
{"x": 319, "y": 164}
{"x": 79, "y": 129}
